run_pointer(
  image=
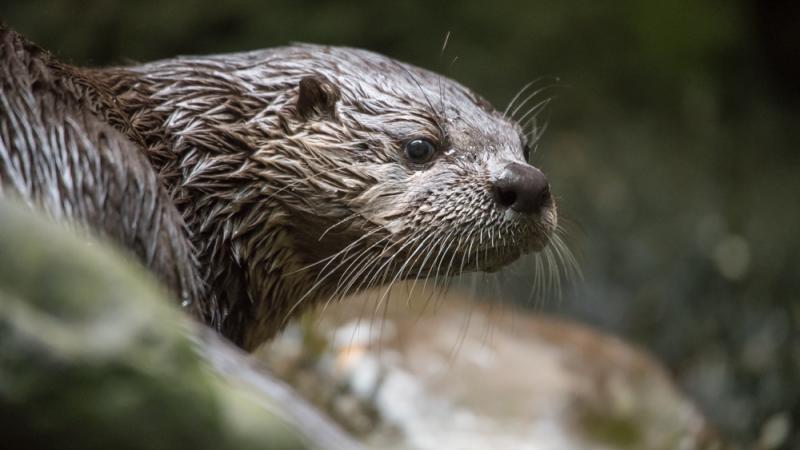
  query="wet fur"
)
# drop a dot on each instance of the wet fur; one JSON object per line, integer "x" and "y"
{"x": 294, "y": 193}
{"x": 59, "y": 156}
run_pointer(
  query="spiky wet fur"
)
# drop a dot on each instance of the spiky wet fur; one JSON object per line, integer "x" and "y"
{"x": 58, "y": 155}
{"x": 284, "y": 208}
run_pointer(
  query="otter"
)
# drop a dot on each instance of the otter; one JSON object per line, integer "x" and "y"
{"x": 283, "y": 176}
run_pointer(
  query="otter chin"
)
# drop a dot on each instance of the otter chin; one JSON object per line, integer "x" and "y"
{"x": 309, "y": 172}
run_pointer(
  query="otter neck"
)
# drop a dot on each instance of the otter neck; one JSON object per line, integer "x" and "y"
{"x": 193, "y": 132}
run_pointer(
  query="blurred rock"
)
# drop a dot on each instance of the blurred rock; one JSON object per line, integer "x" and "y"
{"x": 477, "y": 376}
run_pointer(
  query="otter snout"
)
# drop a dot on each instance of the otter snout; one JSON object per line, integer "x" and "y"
{"x": 522, "y": 188}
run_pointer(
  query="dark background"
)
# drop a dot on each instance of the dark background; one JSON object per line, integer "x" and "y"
{"x": 672, "y": 146}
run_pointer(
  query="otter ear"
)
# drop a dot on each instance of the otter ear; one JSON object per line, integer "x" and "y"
{"x": 317, "y": 97}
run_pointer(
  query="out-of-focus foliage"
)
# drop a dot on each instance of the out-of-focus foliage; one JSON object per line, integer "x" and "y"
{"x": 672, "y": 148}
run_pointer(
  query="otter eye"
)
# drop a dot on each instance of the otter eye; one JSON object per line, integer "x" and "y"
{"x": 420, "y": 151}
{"x": 526, "y": 152}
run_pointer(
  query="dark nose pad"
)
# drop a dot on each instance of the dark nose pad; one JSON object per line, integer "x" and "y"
{"x": 522, "y": 188}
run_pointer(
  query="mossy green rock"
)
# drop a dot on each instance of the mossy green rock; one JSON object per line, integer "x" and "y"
{"x": 93, "y": 356}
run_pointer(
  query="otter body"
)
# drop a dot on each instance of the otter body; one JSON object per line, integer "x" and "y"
{"x": 262, "y": 182}
{"x": 60, "y": 156}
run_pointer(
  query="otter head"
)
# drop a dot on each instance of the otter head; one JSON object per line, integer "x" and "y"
{"x": 416, "y": 176}
{"x": 312, "y": 172}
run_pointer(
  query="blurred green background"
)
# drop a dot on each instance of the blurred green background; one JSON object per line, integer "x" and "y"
{"x": 672, "y": 147}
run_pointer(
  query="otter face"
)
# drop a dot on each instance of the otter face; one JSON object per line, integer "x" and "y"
{"x": 439, "y": 180}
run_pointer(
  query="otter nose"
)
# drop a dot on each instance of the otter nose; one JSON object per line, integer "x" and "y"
{"x": 522, "y": 188}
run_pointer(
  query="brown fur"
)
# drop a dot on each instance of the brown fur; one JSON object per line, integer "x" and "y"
{"x": 57, "y": 155}
{"x": 287, "y": 167}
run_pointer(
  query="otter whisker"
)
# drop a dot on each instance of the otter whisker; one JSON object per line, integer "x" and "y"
{"x": 388, "y": 288}
{"x": 402, "y": 269}
{"x": 391, "y": 259}
{"x": 341, "y": 252}
{"x": 429, "y": 251}
{"x": 553, "y": 272}
{"x": 355, "y": 275}
{"x": 447, "y": 280}
{"x": 419, "y": 241}
{"x": 525, "y": 101}
{"x": 448, "y": 271}
{"x": 446, "y": 41}
{"x": 468, "y": 253}
{"x": 536, "y": 109}
{"x": 423, "y": 248}
{"x": 377, "y": 275}
{"x": 546, "y": 280}
{"x": 518, "y": 94}
{"x": 351, "y": 275}
{"x": 316, "y": 285}
{"x": 561, "y": 268}
{"x": 538, "y": 271}
{"x": 572, "y": 270}
{"x": 357, "y": 213}
{"x": 364, "y": 260}
{"x": 346, "y": 277}
{"x": 535, "y": 134}
{"x": 442, "y": 107}
{"x": 346, "y": 219}
{"x": 444, "y": 248}
{"x": 542, "y": 288}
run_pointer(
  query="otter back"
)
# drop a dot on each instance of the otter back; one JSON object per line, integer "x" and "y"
{"x": 58, "y": 156}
